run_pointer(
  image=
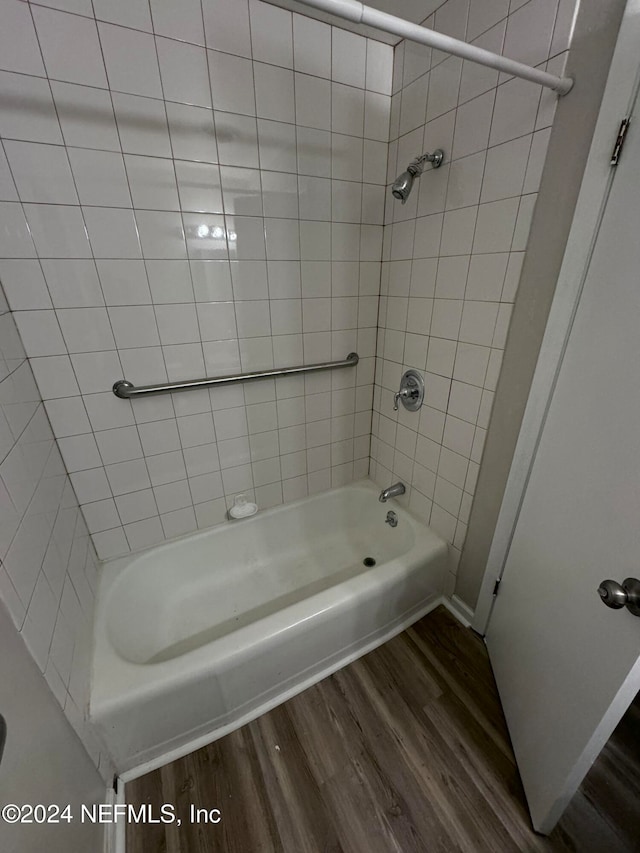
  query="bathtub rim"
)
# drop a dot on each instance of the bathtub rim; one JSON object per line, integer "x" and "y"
{"x": 378, "y": 639}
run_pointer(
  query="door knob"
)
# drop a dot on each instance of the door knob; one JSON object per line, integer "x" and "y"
{"x": 617, "y": 595}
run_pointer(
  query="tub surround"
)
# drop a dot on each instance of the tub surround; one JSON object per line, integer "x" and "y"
{"x": 196, "y": 637}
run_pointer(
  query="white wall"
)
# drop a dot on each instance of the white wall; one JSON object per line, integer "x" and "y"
{"x": 44, "y": 762}
{"x": 121, "y": 138}
{"x": 453, "y": 254}
{"x": 48, "y": 567}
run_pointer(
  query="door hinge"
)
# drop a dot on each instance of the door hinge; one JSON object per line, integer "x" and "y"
{"x": 496, "y": 587}
{"x": 619, "y": 143}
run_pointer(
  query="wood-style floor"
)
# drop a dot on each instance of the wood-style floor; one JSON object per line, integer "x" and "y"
{"x": 403, "y": 751}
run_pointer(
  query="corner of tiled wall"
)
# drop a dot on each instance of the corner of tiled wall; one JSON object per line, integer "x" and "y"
{"x": 452, "y": 254}
{"x": 48, "y": 566}
{"x": 190, "y": 193}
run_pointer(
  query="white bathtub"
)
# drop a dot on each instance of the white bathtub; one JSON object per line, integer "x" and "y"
{"x": 198, "y": 636}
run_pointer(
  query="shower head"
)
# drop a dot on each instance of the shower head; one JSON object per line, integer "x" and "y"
{"x": 403, "y": 183}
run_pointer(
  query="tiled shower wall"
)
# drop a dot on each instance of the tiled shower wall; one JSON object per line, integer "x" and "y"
{"x": 189, "y": 189}
{"x": 47, "y": 562}
{"x": 453, "y": 253}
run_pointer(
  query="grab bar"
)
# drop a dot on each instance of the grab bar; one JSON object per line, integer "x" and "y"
{"x": 124, "y": 389}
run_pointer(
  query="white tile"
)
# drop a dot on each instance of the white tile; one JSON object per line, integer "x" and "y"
{"x": 67, "y": 416}
{"x": 100, "y": 177}
{"x": 110, "y": 543}
{"x": 134, "y": 326}
{"x": 41, "y": 172}
{"x": 159, "y": 437}
{"x": 444, "y": 84}
{"x": 119, "y": 445}
{"x": 40, "y": 333}
{"x": 161, "y": 234}
{"x": 226, "y": 24}
{"x": 136, "y": 506}
{"x": 515, "y": 110}
{"x": 478, "y": 322}
{"x": 274, "y": 93}
{"x": 196, "y": 429}
{"x": 277, "y": 146}
{"x": 112, "y": 232}
{"x": 280, "y": 194}
{"x": 86, "y": 329}
{"x": 347, "y": 109}
{"x": 24, "y": 284}
{"x": 458, "y": 231}
{"x": 211, "y": 281}
{"x": 376, "y": 116}
{"x": 95, "y": 371}
{"x": 91, "y": 485}
{"x": 101, "y": 515}
{"x": 166, "y": 467}
{"x": 523, "y": 222}
{"x": 54, "y": 376}
{"x": 143, "y": 534}
{"x": 529, "y": 31}
{"x": 271, "y": 34}
{"x": 192, "y": 133}
{"x": 282, "y": 239}
{"x": 249, "y": 280}
{"x": 465, "y": 181}
{"x": 484, "y": 15}
{"x": 153, "y": 182}
{"x": 184, "y": 72}
{"x": 505, "y": 169}
{"x": 73, "y": 284}
{"x": 142, "y": 124}
{"x": 199, "y": 187}
{"x": 129, "y": 13}
{"x": 413, "y": 104}
{"x": 471, "y": 363}
{"x": 18, "y": 42}
{"x": 379, "y": 67}
{"x": 74, "y": 103}
{"x": 313, "y": 101}
{"x": 131, "y": 476}
{"x": 242, "y": 191}
{"x": 15, "y": 239}
{"x": 495, "y": 226}
{"x": 312, "y": 46}
{"x": 445, "y": 321}
{"x": 206, "y": 235}
{"x": 348, "y": 57}
{"x": 70, "y": 47}
{"x": 124, "y": 282}
{"x": 237, "y": 140}
{"x": 131, "y": 60}
{"x": 473, "y": 123}
{"x": 231, "y": 83}
{"x": 177, "y": 324}
{"x": 39, "y": 122}
{"x": 178, "y": 22}
{"x": 486, "y": 277}
{"x": 477, "y": 79}
{"x": 179, "y": 522}
{"x": 245, "y": 236}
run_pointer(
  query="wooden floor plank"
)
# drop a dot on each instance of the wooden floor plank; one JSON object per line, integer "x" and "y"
{"x": 404, "y": 751}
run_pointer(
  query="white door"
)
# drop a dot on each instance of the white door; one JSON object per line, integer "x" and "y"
{"x": 567, "y": 666}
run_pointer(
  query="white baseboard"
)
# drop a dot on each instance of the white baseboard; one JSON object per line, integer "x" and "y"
{"x": 115, "y": 833}
{"x": 463, "y": 613}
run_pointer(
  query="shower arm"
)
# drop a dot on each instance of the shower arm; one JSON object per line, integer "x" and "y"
{"x": 416, "y": 166}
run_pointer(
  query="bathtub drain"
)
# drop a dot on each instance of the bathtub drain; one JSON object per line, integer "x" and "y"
{"x": 369, "y": 561}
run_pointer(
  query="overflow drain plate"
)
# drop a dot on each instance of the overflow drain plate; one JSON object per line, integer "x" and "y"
{"x": 368, "y": 562}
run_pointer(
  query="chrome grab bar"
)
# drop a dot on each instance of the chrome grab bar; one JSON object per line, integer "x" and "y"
{"x": 125, "y": 390}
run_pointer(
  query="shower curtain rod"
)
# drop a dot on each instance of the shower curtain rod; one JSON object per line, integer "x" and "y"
{"x": 354, "y": 10}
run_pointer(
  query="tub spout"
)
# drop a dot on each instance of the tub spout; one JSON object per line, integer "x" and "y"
{"x": 392, "y": 492}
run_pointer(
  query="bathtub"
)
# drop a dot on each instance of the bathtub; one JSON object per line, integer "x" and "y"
{"x": 198, "y": 636}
